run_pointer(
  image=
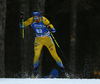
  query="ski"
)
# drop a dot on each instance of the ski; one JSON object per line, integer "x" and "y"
{"x": 53, "y": 74}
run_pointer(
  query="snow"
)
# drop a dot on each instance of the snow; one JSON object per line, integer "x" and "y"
{"x": 48, "y": 81}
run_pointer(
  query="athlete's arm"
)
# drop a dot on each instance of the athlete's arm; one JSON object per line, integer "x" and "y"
{"x": 47, "y": 23}
{"x": 28, "y": 22}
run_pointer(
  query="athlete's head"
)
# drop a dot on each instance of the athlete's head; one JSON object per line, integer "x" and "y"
{"x": 36, "y": 16}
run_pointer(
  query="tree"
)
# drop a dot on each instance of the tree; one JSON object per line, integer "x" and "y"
{"x": 73, "y": 36}
{"x": 2, "y": 36}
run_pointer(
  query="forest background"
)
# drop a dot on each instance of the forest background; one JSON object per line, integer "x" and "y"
{"x": 77, "y": 32}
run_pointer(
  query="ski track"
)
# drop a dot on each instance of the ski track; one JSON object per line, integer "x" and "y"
{"x": 47, "y": 81}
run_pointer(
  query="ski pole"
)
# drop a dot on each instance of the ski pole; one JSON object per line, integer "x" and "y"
{"x": 22, "y": 19}
{"x": 55, "y": 40}
{"x": 58, "y": 46}
{"x": 23, "y": 28}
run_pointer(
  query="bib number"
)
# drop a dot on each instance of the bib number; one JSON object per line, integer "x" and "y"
{"x": 39, "y": 30}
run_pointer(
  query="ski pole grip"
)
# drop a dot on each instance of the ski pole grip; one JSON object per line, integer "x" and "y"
{"x": 22, "y": 15}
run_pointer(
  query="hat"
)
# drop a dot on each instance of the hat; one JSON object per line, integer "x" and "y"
{"x": 36, "y": 13}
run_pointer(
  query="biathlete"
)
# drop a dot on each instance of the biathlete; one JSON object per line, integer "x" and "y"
{"x": 42, "y": 28}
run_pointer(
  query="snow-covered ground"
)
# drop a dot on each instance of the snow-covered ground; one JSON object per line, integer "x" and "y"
{"x": 48, "y": 81}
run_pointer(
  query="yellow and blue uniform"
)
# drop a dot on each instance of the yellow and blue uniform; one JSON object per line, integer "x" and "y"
{"x": 43, "y": 38}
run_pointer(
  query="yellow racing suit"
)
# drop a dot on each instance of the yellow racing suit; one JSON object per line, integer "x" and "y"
{"x": 43, "y": 38}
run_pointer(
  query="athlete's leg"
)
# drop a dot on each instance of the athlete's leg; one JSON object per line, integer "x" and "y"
{"x": 37, "y": 50}
{"x": 51, "y": 47}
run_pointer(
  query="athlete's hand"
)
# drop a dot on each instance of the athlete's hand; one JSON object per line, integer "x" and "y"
{"x": 49, "y": 28}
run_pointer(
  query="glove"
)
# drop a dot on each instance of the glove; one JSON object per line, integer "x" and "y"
{"x": 20, "y": 25}
{"x": 52, "y": 30}
{"x": 21, "y": 17}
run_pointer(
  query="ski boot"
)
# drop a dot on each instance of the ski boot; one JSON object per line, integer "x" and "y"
{"x": 35, "y": 73}
{"x": 64, "y": 73}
